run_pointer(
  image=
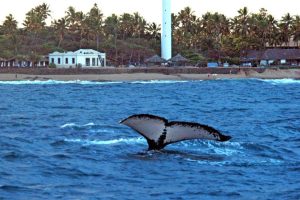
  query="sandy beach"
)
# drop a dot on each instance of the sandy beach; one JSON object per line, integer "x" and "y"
{"x": 266, "y": 74}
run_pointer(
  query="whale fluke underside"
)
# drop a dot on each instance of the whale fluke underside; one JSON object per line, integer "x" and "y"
{"x": 159, "y": 132}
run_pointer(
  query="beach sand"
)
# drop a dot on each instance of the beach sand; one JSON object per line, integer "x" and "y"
{"x": 267, "y": 74}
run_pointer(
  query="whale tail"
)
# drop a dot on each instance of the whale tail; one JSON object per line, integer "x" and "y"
{"x": 159, "y": 132}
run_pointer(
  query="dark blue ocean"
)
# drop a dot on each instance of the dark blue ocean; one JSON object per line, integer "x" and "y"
{"x": 63, "y": 140}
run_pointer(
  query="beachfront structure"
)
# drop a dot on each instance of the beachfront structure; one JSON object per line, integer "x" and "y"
{"x": 166, "y": 33}
{"x": 85, "y": 58}
{"x": 42, "y": 61}
{"x": 178, "y": 60}
{"x": 273, "y": 56}
{"x": 155, "y": 60}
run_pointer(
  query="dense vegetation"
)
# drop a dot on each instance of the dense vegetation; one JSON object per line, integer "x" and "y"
{"x": 130, "y": 38}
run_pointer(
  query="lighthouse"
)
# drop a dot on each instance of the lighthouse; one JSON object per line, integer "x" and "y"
{"x": 166, "y": 33}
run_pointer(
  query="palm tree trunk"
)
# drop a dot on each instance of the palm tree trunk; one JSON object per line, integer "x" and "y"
{"x": 97, "y": 42}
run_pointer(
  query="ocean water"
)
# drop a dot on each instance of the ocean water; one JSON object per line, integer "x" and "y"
{"x": 63, "y": 140}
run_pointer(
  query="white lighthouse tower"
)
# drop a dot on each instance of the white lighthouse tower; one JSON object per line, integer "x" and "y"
{"x": 166, "y": 33}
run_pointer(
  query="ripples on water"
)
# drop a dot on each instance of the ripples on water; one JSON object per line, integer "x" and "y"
{"x": 62, "y": 140}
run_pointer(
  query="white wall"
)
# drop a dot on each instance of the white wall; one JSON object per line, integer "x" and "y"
{"x": 84, "y": 57}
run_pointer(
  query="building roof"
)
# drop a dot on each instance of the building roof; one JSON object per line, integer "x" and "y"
{"x": 87, "y": 51}
{"x": 271, "y": 54}
{"x": 155, "y": 59}
{"x": 78, "y": 52}
{"x": 178, "y": 58}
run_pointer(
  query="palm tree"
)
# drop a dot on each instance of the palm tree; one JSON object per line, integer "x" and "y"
{"x": 261, "y": 27}
{"x": 139, "y": 25}
{"x": 78, "y": 27}
{"x": 35, "y": 23}
{"x": 214, "y": 27}
{"x": 153, "y": 31}
{"x": 71, "y": 16}
{"x": 94, "y": 20}
{"x": 286, "y": 28}
{"x": 10, "y": 29}
{"x": 111, "y": 29}
{"x": 186, "y": 21}
{"x": 82, "y": 26}
{"x": 36, "y": 18}
{"x": 71, "y": 19}
{"x": 272, "y": 31}
{"x": 126, "y": 25}
{"x": 296, "y": 29}
{"x": 241, "y": 22}
{"x": 60, "y": 26}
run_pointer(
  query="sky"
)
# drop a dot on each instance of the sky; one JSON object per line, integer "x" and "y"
{"x": 149, "y": 9}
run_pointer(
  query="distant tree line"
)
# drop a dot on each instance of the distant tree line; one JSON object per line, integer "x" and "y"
{"x": 129, "y": 38}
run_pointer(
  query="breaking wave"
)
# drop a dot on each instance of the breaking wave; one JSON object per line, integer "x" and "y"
{"x": 282, "y": 81}
{"x": 55, "y": 82}
{"x": 158, "y": 82}
{"x": 81, "y": 82}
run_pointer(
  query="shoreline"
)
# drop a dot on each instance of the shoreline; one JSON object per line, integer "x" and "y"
{"x": 182, "y": 74}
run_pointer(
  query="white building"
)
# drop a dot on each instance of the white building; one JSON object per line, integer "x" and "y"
{"x": 86, "y": 58}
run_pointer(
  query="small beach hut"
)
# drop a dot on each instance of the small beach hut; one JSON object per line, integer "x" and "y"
{"x": 155, "y": 60}
{"x": 178, "y": 60}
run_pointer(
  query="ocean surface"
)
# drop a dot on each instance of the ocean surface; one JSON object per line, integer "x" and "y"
{"x": 63, "y": 140}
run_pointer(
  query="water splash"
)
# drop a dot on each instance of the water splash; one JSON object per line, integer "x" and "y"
{"x": 219, "y": 148}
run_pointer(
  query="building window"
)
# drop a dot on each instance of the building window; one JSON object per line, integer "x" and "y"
{"x": 58, "y": 61}
{"x": 87, "y": 62}
{"x": 67, "y": 61}
{"x": 52, "y": 60}
{"x": 73, "y": 60}
{"x": 93, "y": 61}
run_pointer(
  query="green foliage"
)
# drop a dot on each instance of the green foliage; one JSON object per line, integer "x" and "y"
{"x": 194, "y": 57}
{"x": 52, "y": 65}
{"x": 129, "y": 38}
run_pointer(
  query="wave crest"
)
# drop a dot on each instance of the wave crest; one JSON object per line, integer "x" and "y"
{"x": 73, "y": 125}
{"x": 55, "y": 82}
{"x": 159, "y": 82}
{"x": 282, "y": 81}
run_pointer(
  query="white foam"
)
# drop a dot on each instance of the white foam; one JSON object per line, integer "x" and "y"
{"x": 220, "y": 148}
{"x": 102, "y": 131}
{"x": 243, "y": 161}
{"x": 225, "y": 148}
{"x": 55, "y": 82}
{"x": 107, "y": 142}
{"x": 158, "y": 82}
{"x": 89, "y": 124}
{"x": 82, "y": 82}
{"x": 282, "y": 81}
{"x": 70, "y": 125}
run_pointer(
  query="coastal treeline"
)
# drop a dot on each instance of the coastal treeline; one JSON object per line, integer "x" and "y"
{"x": 129, "y": 38}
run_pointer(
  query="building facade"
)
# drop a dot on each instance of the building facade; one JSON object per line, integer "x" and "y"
{"x": 86, "y": 58}
{"x": 271, "y": 57}
{"x": 24, "y": 62}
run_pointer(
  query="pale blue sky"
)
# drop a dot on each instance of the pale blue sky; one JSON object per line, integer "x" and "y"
{"x": 150, "y": 9}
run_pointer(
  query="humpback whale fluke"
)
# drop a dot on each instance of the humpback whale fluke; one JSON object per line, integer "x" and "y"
{"x": 159, "y": 132}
